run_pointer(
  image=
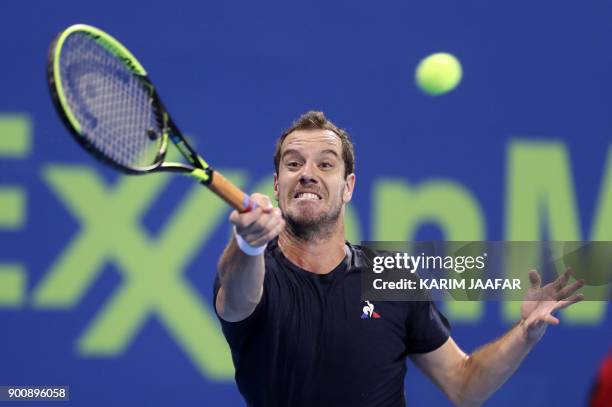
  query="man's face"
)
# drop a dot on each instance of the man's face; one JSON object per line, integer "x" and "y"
{"x": 310, "y": 185}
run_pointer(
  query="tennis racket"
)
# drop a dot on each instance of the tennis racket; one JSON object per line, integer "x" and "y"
{"x": 106, "y": 99}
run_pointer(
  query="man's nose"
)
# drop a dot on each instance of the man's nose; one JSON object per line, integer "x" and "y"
{"x": 308, "y": 174}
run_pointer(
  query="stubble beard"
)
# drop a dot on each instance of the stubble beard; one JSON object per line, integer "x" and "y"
{"x": 309, "y": 229}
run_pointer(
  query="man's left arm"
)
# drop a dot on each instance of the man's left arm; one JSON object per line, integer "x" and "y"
{"x": 469, "y": 380}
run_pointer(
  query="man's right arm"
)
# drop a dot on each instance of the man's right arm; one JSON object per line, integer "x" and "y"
{"x": 241, "y": 276}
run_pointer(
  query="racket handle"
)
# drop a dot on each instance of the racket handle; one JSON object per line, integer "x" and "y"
{"x": 230, "y": 193}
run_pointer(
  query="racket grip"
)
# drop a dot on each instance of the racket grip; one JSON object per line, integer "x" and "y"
{"x": 230, "y": 193}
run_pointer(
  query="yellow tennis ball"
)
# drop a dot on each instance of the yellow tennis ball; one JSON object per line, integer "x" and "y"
{"x": 438, "y": 73}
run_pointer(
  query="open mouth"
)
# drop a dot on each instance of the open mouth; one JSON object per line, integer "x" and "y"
{"x": 307, "y": 196}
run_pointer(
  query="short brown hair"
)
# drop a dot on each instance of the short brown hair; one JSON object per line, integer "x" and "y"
{"x": 314, "y": 120}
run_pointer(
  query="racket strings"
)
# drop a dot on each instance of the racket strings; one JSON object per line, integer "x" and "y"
{"x": 112, "y": 105}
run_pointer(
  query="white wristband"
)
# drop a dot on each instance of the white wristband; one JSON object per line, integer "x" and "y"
{"x": 247, "y": 248}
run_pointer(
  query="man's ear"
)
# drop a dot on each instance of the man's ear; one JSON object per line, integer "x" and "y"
{"x": 276, "y": 186}
{"x": 349, "y": 184}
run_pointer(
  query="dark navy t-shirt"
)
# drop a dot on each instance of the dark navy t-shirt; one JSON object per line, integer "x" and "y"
{"x": 312, "y": 341}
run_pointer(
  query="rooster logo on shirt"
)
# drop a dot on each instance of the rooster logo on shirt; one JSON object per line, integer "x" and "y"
{"x": 368, "y": 311}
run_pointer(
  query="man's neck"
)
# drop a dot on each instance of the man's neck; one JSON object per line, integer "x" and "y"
{"x": 319, "y": 256}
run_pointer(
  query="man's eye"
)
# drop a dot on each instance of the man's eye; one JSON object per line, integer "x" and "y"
{"x": 293, "y": 164}
{"x": 326, "y": 165}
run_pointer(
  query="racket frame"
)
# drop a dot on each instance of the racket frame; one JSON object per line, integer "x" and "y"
{"x": 197, "y": 168}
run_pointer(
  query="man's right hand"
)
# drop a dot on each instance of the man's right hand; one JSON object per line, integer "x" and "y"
{"x": 261, "y": 225}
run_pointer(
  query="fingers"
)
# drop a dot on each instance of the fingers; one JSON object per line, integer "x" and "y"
{"x": 551, "y": 320}
{"x": 563, "y": 291}
{"x": 263, "y": 201}
{"x": 566, "y": 303}
{"x": 555, "y": 296}
{"x": 570, "y": 289}
{"x": 535, "y": 279}
{"x": 263, "y": 229}
{"x": 244, "y": 220}
{"x": 546, "y": 318}
{"x": 260, "y": 225}
{"x": 276, "y": 229}
{"x": 560, "y": 282}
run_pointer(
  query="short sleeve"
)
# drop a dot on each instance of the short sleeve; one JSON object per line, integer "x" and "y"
{"x": 428, "y": 328}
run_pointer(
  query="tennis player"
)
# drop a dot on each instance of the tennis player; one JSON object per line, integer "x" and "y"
{"x": 288, "y": 298}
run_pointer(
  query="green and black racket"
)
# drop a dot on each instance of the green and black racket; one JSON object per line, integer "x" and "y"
{"x": 110, "y": 106}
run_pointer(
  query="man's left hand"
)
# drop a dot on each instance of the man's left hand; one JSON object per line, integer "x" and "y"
{"x": 540, "y": 303}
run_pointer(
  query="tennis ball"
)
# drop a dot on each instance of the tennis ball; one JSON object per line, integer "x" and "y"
{"x": 438, "y": 73}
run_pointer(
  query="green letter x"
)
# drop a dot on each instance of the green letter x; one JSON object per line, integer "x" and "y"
{"x": 151, "y": 269}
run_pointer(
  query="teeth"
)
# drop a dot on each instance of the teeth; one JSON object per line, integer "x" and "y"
{"x": 307, "y": 195}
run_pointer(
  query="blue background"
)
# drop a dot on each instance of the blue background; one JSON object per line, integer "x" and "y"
{"x": 235, "y": 74}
